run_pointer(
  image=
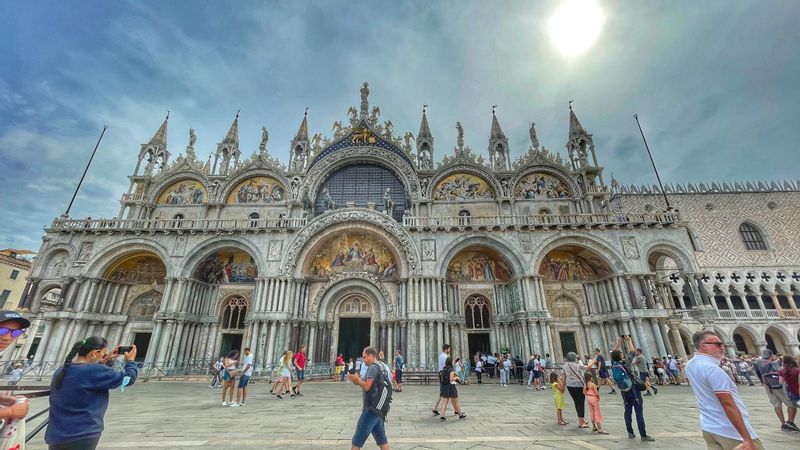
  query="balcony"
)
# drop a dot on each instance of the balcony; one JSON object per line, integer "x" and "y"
{"x": 177, "y": 225}
{"x": 544, "y": 221}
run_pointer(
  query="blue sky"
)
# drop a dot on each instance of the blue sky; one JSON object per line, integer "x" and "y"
{"x": 714, "y": 82}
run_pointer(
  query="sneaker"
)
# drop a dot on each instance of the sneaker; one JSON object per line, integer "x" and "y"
{"x": 647, "y": 394}
{"x": 241, "y": 404}
{"x": 612, "y": 392}
{"x": 234, "y": 405}
{"x": 631, "y": 436}
{"x": 655, "y": 391}
{"x": 647, "y": 439}
{"x": 279, "y": 396}
{"x": 435, "y": 412}
{"x": 529, "y": 388}
{"x": 224, "y": 403}
{"x": 792, "y": 425}
{"x": 299, "y": 394}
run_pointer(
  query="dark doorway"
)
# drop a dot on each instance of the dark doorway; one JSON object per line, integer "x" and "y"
{"x": 568, "y": 343}
{"x": 232, "y": 341}
{"x": 353, "y": 337}
{"x": 142, "y": 343}
{"x": 478, "y": 342}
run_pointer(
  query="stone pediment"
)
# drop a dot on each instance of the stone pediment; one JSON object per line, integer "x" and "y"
{"x": 185, "y": 165}
{"x": 364, "y": 134}
{"x": 541, "y": 156}
{"x": 463, "y": 156}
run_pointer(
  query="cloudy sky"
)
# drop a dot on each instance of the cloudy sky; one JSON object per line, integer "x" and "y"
{"x": 715, "y": 84}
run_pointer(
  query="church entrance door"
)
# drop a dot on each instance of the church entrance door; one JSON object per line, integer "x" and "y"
{"x": 568, "y": 342}
{"x": 231, "y": 341}
{"x": 353, "y": 336}
{"x": 478, "y": 342}
{"x": 142, "y": 343}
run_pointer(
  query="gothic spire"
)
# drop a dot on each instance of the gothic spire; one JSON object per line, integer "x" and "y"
{"x": 302, "y": 132}
{"x": 233, "y": 133}
{"x": 497, "y": 132}
{"x": 424, "y": 129}
{"x": 575, "y": 127}
{"x": 160, "y": 138}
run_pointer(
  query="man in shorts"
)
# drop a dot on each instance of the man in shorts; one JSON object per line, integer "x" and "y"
{"x": 602, "y": 370}
{"x": 767, "y": 364}
{"x": 644, "y": 373}
{"x": 369, "y": 422}
{"x": 442, "y": 359}
{"x": 247, "y": 372}
{"x": 300, "y": 368}
{"x": 399, "y": 362}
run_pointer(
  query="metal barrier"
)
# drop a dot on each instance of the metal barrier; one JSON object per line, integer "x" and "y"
{"x": 32, "y": 392}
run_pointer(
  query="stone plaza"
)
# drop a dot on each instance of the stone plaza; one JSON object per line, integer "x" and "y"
{"x": 186, "y": 415}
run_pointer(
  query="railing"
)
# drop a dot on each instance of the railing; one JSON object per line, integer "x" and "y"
{"x": 790, "y": 313}
{"x": 597, "y": 189}
{"x": 753, "y": 313}
{"x": 203, "y": 225}
{"x": 772, "y": 313}
{"x": 133, "y": 197}
{"x": 541, "y": 220}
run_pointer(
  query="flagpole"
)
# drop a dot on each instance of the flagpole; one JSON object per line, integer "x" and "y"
{"x": 663, "y": 192}
{"x": 80, "y": 182}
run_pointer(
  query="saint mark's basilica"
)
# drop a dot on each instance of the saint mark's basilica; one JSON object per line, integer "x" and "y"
{"x": 370, "y": 237}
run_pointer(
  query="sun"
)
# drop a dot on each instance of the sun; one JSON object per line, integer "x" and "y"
{"x": 575, "y": 26}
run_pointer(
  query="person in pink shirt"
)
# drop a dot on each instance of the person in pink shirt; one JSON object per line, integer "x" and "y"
{"x": 300, "y": 368}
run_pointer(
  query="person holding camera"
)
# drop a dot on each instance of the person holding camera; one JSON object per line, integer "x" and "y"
{"x": 12, "y": 326}
{"x": 79, "y": 393}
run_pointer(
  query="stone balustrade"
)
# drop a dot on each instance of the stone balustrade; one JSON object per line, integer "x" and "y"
{"x": 161, "y": 225}
{"x": 540, "y": 221}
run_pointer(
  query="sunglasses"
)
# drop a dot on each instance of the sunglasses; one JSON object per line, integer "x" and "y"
{"x": 718, "y": 343}
{"x": 14, "y": 333}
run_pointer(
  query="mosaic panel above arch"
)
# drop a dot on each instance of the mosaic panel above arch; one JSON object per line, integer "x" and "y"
{"x": 227, "y": 265}
{"x": 462, "y": 186}
{"x": 139, "y": 268}
{"x": 257, "y": 190}
{"x": 572, "y": 263}
{"x": 185, "y": 192}
{"x": 352, "y": 252}
{"x": 539, "y": 186}
{"x": 478, "y": 264}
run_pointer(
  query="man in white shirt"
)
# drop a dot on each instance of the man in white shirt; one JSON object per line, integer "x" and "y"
{"x": 442, "y": 359}
{"x": 247, "y": 372}
{"x": 723, "y": 416}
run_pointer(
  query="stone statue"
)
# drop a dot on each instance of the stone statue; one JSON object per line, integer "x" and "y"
{"x": 500, "y": 162}
{"x": 305, "y": 201}
{"x": 408, "y": 138}
{"x": 388, "y": 203}
{"x": 264, "y": 139}
{"x": 364, "y": 92}
{"x": 192, "y": 138}
{"x": 375, "y": 115}
{"x": 388, "y": 127}
{"x": 337, "y": 129}
{"x": 315, "y": 141}
{"x": 534, "y": 139}
{"x": 353, "y": 115}
{"x": 327, "y": 201}
{"x": 425, "y": 162}
{"x": 298, "y": 160}
{"x": 460, "y": 138}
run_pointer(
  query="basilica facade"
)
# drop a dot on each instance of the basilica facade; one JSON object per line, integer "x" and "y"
{"x": 367, "y": 237}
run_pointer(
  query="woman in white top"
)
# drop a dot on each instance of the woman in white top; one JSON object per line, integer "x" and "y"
{"x": 573, "y": 371}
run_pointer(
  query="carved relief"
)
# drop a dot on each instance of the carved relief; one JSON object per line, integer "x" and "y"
{"x": 336, "y": 278}
{"x": 428, "y": 249}
{"x": 629, "y": 247}
{"x": 275, "y": 249}
{"x": 85, "y": 252}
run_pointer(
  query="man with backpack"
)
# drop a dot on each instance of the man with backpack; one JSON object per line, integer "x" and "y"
{"x": 626, "y": 377}
{"x": 377, "y": 387}
{"x": 767, "y": 368}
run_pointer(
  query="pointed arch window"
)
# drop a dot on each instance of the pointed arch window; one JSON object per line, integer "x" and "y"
{"x": 752, "y": 237}
{"x": 476, "y": 313}
{"x": 233, "y": 314}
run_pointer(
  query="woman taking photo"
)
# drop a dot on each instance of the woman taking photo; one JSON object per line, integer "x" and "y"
{"x": 79, "y": 394}
{"x": 574, "y": 375}
{"x": 229, "y": 377}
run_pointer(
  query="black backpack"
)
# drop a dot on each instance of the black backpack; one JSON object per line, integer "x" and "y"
{"x": 380, "y": 401}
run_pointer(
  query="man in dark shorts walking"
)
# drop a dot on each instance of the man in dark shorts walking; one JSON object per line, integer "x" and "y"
{"x": 369, "y": 422}
{"x": 602, "y": 370}
{"x": 398, "y": 371}
{"x": 300, "y": 368}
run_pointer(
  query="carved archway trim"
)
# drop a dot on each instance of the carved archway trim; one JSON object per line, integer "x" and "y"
{"x": 337, "y": 279}
{"x": 350, "y": 215}
{"x": 319, "y": 172}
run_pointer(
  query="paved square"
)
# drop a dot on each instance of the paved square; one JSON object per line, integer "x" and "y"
{"x": 189, "y": 415}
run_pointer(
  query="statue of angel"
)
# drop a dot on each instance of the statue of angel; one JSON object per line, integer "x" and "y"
{"x": 460, "y": 138}
{"x": 388, "y": 127}
{"x": 408, "y": 140}
{"x": 376, "y": 114}
{"x": 315, "y": 141}
{"x": 534, "y": 139}
{"x": 337, "y": 129}
{"x": 353, "y": 115}
{"x": 192, "y": 138}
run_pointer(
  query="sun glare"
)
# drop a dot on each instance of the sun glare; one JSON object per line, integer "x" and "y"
{"x": 575, "y": 26}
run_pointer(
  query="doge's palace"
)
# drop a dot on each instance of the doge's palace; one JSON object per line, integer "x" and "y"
{"x": 369, "y": 237}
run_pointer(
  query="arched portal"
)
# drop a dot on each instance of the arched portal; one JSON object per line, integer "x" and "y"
{"x": 744, "y": 341}
{"x": 478, "y": 317}
{"x": 776, "y": 341}
{"x": 354, "y": 324}
{"x": 232, "y": 323}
